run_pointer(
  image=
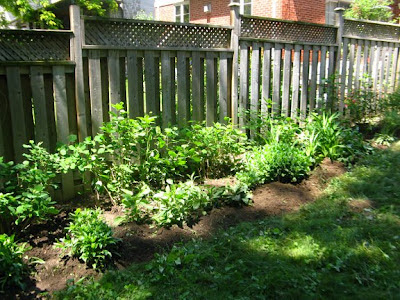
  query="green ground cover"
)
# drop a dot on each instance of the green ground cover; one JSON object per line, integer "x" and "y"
{"x": 337, "y": 247}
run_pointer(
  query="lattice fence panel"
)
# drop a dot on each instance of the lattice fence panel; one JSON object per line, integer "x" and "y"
{"x": 371, "y": 30}
{"x": 34, "y": 45}
{"x": 142, "y": 34}
{"x": 271, "y": 29}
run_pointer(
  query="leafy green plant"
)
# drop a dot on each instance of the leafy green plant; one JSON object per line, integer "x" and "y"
{"x": 278, "y": 161}
{"x": 88, "y": 238}
{"x": 383, "y": 139}
{"x": 361, "y": 103}
{"x": 41, "y": 11}
{"x": 216, "y": 147}
{"x": 329, "y": 130}
{"x": 237, "y": 195}
{"x": 24, "y": 196}
{"x": 179, "y": 204}
{"x": 13, "y": 270}
{"x": 136, "y": 204}
{"x": 375, "y": 10}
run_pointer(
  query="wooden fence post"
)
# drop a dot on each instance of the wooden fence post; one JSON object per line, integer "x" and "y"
{"x": 76, "y": 56}
{"x": 339, "y": 38}
{"x": 235, "y": 22}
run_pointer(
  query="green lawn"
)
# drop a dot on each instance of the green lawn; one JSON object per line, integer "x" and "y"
{"x": 328, "y": 250}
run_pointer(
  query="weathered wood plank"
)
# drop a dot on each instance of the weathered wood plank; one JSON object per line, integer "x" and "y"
{"x": 304, "y": 84}
{"x": 351, "y": 65}
{"x": 343, "y": 73}
{"x": 365, "y": 58}
{"x": 168, "y": 89}
{"x": 388, "y": 67}
{"x": 122, "y": 80}
{"x": 183, "y": 89}
{"x": 224, "y": 88}
{"x": 27, "y": 102}
{"x": 72, "y": 121}
{"x": 276, "y": 85}
{"x": 322, "y": 79}
{"x": 382, "y": 68}
{"x": 151, "y": 73}
{"x": 76, "y": 55}
{"x": 296, "y": 81}
{"x": 358, "y": 66}
{"x": 61, "y": 108}
{"x": 244, "y": 82}
{"x": 314, "y": 73}
{"x": 40, "y": 108}
{"x": 266, "y": 78}
{"x": 96, "y": 105}
{"x": 394, "y": 68}
{"x": 20, "y": 134}
{"x": 105, "y": 99}
{"x": 51, "y": 115}
{"x": 6, "y": 135}
{"x": 135, "y": 85}
{"x": 255, "y": 77}
{"x": 375, "y": 71}
{"x": 331, "y": 75}
{"x": 114, "y": 79}
{"x": 286, "y": 80}
{"x": 198, "y": 87}
{"x": 211, "y": 69}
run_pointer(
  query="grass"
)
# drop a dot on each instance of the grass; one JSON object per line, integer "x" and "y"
{"x": 327, "y": 250}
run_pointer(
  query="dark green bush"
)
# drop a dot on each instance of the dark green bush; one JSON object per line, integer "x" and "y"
{"x": 13, "y": 270}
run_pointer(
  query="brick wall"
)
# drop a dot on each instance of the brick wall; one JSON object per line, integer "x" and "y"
{"x": 304, "y": 10}
{"x": 297, "y": 10}
{"x": 219, "y": 15}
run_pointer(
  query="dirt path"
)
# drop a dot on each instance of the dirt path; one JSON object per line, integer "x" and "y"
{"x": 140, "y": 242}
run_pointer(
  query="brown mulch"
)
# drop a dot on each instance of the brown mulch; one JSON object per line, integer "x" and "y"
{"x": 141, "y": 242}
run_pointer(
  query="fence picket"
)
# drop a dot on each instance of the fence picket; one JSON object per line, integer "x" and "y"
{"x": 244, "y": 82}
{"x": 198, "y": 86}
{"x": 61, "y": 104}
{"x": 296, "y": 81}
{"x": 286, "y": 80}
{"x": 40, "y": 109}
{"x": 96, "y": 104}
{"x": 266, "y": 77}
{"x": 183, "y": 89}
{"x": 211, "y": 70}
{"x": 135, "y": 84}
{"x": 313, "y": 80}
{"x": 304, "y": 84}
{"x": 168, "y": 90}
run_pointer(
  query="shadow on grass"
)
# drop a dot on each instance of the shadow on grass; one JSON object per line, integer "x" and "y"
{"x": 325, "y": 251}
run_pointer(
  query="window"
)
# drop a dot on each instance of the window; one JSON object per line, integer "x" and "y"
{"x": 245, "y": 7}
{"x": 182, "y": 13}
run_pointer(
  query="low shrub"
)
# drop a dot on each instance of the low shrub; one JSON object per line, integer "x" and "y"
{"x": 275, "y": 162}
{"x": 88, "y": 238}
{"x": 24, "y": 196}
{"x": 13, "y": 270}
{"x": 181, "y": 203}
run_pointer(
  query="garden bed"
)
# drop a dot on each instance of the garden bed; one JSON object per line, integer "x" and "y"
{"x": 140, "y": 242}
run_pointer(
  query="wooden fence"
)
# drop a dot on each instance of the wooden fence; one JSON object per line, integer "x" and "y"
{"x": 57, "y": 83}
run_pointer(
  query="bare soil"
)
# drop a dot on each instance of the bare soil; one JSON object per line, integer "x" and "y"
{"x": 141, "y": 242}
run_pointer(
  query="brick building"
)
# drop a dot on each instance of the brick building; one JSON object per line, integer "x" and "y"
{"x": 217, "y": 11}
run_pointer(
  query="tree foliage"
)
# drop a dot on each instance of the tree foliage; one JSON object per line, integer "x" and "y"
{"x": 375, "y": 10}
{"x": 40, "y": 11}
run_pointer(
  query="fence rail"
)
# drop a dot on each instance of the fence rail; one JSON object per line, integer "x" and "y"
{"x": 57, "y": 83}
